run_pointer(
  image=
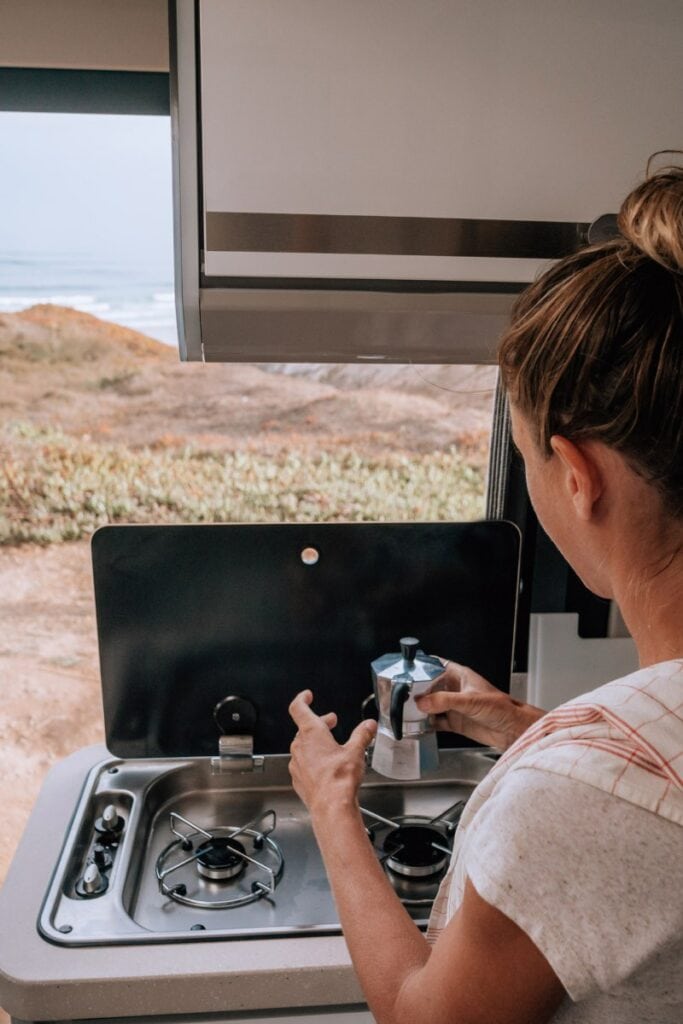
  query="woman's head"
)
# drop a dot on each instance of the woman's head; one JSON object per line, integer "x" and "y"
{"x": 594, "y": 351}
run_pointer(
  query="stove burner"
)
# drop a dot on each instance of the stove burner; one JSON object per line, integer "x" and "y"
{"x": 415, "y": 851}
{"x": 254, "y": 863}
{"x": 220, "y": 859}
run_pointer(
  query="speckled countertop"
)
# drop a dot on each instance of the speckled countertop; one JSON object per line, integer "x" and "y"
{"x": 42, "y": 981}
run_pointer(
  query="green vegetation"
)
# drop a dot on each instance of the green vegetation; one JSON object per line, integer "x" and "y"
{"x": 122, "y": 379}
{"x": 54, "y": 487}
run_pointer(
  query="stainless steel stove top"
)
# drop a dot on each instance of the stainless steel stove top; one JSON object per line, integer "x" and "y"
{"x": 163, "y": 851}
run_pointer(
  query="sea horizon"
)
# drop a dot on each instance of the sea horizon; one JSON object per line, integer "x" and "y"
{"x": 132, "y": 293}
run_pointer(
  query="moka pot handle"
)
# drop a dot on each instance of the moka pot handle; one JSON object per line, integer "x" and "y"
{"x": 399, "y": 695}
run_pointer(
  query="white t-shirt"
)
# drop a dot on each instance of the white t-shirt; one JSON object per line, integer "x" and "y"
{"x": 596, "y": 883}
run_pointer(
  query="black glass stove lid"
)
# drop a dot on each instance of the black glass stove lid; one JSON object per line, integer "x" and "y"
{"x": 190, "y": 615}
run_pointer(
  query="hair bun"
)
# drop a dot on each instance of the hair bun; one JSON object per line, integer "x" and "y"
{"x": 651, "y": 217}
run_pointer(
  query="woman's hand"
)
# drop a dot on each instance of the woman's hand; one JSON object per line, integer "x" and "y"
{"x": 470, "y": 705}
{"x": 326, "y": 774}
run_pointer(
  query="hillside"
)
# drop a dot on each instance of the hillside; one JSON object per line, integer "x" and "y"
{"x": 68, "y": 369}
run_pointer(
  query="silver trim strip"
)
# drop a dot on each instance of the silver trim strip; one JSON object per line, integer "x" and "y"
{"x": 391, "y": 236}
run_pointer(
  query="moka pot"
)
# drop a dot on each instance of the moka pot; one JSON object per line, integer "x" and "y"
{"x": 405, "y": 744}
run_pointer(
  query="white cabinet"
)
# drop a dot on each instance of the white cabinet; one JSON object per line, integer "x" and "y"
{"x": 403, "y": 150}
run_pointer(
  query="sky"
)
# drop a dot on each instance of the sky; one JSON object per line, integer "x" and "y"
{"x": 87, "y": 184}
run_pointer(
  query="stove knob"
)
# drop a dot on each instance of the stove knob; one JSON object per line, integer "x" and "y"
{"x": 110, "y": 819}
{"x": 101, "y": 856}
{"x": 92, "y": 879}
{"x": 109, "y": 824}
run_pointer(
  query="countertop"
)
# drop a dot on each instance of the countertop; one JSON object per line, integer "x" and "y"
{"x": 42, "y": 981}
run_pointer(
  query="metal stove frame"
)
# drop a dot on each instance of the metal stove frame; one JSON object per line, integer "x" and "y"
{"x": 145, "y": 793}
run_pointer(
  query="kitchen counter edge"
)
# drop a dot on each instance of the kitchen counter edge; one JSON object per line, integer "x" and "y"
{"x": 42, "y": 981}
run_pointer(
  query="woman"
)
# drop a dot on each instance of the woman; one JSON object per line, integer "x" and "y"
{"x": 564, "y": 901}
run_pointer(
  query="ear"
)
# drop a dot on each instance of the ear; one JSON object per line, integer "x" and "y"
{"x": 582, "y": 475}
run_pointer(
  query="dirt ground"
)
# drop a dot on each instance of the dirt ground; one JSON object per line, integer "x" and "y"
{"x": 49, "y": 675}
{"x": 59, "y": 368}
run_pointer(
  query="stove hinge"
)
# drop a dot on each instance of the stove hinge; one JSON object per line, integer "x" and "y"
{"x": 236, "y": 754}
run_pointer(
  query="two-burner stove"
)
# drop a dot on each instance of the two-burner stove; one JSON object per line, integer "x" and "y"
{"x": 247, "y": 860}
{"x": 163, "y": 851}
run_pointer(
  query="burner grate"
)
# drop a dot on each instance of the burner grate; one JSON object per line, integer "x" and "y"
{"x": 414, "y": 851}
{"x": 220, "y": 859}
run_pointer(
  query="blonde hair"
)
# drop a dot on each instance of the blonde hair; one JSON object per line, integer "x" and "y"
{"x": 595, "y": 345}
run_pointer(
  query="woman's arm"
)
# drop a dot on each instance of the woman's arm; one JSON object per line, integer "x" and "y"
{"x": 483, "y": 968}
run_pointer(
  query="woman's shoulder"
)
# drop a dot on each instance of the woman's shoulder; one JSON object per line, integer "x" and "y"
{"x": 625, "y": 739}
{"x": 532, "y": 800}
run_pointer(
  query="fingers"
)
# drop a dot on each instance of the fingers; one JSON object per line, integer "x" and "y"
{"x": 441, "y": 701}
{"x": 303, "y": 715}
{"x": 453, "y": 677}
{"x": 448, "y": 661}
{"x": 362, "y": 735}
{"x": 300, "y": 709}
{"x": 459, "y": 678}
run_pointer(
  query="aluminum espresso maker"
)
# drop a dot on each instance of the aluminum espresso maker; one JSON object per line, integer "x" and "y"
{"x": 405, "y": 745}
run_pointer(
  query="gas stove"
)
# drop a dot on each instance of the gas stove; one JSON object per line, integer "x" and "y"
{"x": 169, "y": 851}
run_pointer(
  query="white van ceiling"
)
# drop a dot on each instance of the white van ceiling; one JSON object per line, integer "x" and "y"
{"x": 374, "y": 181}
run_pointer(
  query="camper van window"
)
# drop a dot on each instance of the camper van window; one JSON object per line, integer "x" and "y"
{"x": 89, "y": 330}
{"x": 100, "y": 422}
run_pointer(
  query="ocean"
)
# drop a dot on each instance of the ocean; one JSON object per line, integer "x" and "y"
{"x": 134, "y": 295}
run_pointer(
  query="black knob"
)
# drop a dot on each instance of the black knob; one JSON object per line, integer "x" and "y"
{"x": 101, "y": 856}
{"x": 409, "y": 646}
{"x": 604, "y": 229}
{"x": 235, "y": 716}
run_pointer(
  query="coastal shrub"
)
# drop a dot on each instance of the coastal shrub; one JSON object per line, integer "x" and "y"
{"x": 54, "y": 487}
